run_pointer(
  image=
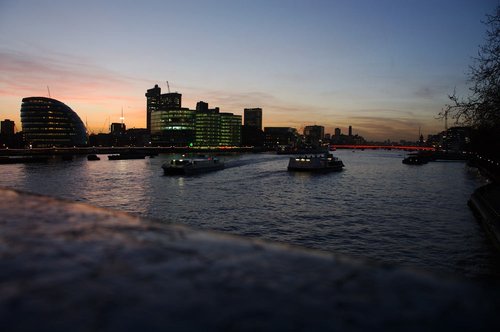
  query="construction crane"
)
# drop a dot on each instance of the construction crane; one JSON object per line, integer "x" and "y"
{"x": 168, "y": 87}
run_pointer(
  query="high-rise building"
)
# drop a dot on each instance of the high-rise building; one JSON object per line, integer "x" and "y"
{"x": 350, "y": 131}
{"x": 172, "y": 125}
{"x": 207, "y": 122}
{"x": 253, "y": 117}
{"x": 7, "y": 127}
{"x": 7, "y": 133}
{"x": 117, "y": 128}
{"x": 169, "y": 123}
{"x": 230, "y": 129}
{"x": 314, "y": 135}
{"x": 156, "y": 101}
{"x": 280, "y": 136}
{"x": 337, "y": 132}
{"x": 47, "y": 122}
{"x": 152, "y": 103}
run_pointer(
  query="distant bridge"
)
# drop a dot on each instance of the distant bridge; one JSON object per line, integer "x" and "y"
{"x": 383, "y": 147}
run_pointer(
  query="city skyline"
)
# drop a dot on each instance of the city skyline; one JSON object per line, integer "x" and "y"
{"x": 384, "y": 68}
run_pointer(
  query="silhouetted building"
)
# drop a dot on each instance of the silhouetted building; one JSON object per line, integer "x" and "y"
{"x": 118, "y": 137}
{"x": 252, "y": 136}
{"x": 251, "y": 132}
{"x": 7, "y": 133}
{"x": 456, "y": 139}
{"x": 253, "y": 117}
{"x": 117, "y": 128}
{"x": 152, "y": 103}
{"x": 337, "y": 132}
{"x": 100, "y": 139}
{"x": 350, "y": 130}
{"x": 138, "y": 137}
{"x": 47, "y": 122}
{"x": 280, "y": 136}
{"x": 314, "y": 135}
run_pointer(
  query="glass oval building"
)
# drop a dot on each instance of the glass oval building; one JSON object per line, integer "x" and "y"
{"x": 47, "y": 122}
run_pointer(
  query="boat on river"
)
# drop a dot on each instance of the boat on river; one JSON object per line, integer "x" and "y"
{"x": 325, "y": 162}
{"x": 188, "y": 166}
{"x": 124, "y": 156}
{"x": 417, "y": 159}
{"x": 91, "y": 157}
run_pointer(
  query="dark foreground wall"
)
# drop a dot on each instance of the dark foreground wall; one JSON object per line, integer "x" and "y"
{"x": 72, "y": 267}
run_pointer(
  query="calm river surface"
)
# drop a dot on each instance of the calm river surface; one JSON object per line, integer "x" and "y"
{"x": 377, "y": 208}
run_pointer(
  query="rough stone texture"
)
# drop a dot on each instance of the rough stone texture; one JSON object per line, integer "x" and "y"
{"x": 485, "y": 201}
{"x": 72, "y": 267}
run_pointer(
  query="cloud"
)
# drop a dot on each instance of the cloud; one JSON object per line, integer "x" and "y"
{"x": 26, "y": 75}
{"x": 90, "y": 90}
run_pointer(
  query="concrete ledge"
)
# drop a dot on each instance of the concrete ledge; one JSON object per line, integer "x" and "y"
{"x": 485, "y": 202}
{"x": 72, "y": 267}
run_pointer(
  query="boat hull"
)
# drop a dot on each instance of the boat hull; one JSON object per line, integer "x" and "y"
{"x": 319, "y": 164}
{"x": 126, "y": 156}
{"x": 169, "y": 170}
{"x": 335, "y": 168}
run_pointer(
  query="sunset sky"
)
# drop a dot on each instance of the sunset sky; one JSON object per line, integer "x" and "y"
{"x": 385, "y": 67}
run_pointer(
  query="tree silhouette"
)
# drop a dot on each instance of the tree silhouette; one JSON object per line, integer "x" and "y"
{"x": 481, "y": 109}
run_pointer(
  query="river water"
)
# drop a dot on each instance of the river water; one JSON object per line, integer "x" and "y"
{"x": 377, "y": 208}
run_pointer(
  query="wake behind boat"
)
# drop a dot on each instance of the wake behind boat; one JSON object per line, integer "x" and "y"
{"x": 192, "y": 166}
{"x": 316, "y": 163}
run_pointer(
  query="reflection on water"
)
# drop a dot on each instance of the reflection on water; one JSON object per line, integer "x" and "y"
{"x": 377, "y": 208}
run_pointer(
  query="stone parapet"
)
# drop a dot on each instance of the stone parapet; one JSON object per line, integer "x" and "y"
{"x": 72, "y": 267}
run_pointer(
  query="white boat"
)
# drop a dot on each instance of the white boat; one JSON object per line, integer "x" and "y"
{"x": 188, "y": 166}
{"x": 315, "y": 163}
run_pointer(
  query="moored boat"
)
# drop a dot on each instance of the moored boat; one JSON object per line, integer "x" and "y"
{"x": 123, "y": 156}
{"x": 93, "y": 157}
{"x": 415, "y": 159}
{"x": 316, "y": 163}
{"x": 190, "y": 166}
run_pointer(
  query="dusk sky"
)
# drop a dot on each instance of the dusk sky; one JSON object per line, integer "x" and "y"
{"x": 385, "y": 67}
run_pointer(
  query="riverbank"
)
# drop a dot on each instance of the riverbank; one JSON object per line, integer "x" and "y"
{"x": 71, "y": 266}
{"x": 485, "y": 201}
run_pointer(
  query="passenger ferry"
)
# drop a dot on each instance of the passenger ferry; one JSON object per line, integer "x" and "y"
{"x": 192, "y": 166}
{"x": 316, "y": 163}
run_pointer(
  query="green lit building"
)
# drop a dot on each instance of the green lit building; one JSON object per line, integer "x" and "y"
{"x": 172, "y": 125}
{"x": 207, "y": 125}
{"x": 230, "y": 129}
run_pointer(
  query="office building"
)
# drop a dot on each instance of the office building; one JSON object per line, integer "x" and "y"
{"x": 173, "y": 127}
{"x": 280, "y": 136}
{"x": 314, "y": 135}
{"x": 7, "y": 133}
{"x": 117, "y": 128}
{"x": 207, "y": 123}
{"x": 47, "y": 122}
{"x": 251, "y": 132}
{"x": 7, "y": 127}
{"x": 253, "y": 117}
{"x": 230, "y": 129}
{"x": 168, "y": 122}
{"x": 156, "y": 101}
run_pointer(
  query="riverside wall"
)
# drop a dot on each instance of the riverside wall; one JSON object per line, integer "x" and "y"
{"x": 68, "y": 266}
